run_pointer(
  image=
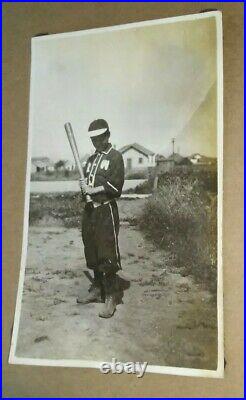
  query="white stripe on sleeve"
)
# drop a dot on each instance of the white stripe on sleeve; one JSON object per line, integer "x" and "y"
{"x": 112, "y": 186}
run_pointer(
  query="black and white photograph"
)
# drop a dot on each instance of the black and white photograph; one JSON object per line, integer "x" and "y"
{"x": 122, "y": 243}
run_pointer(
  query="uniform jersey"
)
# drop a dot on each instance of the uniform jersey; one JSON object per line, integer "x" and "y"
{"x": 100, "y": 225}
{"x": 105, "y": 169}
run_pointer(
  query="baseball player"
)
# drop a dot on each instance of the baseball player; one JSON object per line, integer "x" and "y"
{"x": 104, "y": 178}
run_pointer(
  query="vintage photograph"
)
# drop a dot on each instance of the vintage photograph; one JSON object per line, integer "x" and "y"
{"x": 122, "y": 241}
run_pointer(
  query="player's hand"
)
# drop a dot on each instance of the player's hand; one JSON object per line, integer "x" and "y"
{"x": 83, "y": 186}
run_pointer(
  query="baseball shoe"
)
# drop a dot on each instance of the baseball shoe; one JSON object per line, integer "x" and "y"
{"x": 94, "y": 296}
{"x": 109, "y": 307}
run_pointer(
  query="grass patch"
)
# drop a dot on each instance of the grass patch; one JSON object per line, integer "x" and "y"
{"x": 65, "y": 208}
{"x": 55, "y": 176}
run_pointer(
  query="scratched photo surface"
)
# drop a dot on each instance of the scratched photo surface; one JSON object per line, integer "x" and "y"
{"x": 152, "y": 230}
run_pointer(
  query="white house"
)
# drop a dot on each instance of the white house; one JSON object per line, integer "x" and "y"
{"x": 137, "y": 157}
{"x": 195, "y": 158}
{"x": 39, "y": 164}
{"x": 199, "y": 159}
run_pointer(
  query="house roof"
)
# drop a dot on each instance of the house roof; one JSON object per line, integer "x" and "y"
{"x": 195, "y": 155}
{"x": 185, "y": 161}
{"x": 175, "y": 157}
{"x": 160, "y": 157}
{"x": 202, "y": 159}
{"x": 137, "y": 147}
{"x": 42, "y": 162}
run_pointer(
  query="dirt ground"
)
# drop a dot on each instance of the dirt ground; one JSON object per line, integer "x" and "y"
{"x": 165, "y": 319}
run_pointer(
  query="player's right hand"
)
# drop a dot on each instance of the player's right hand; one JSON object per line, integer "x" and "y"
{"x": 83, "y": 186}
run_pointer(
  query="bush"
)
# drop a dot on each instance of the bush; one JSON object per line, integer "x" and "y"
{"x": 181, "y": 218}
{"x": 49, "y": 173}
{"x": 65, "y": 208}
{"x": 205, "y": 179}
{"x": 143, "y": 188}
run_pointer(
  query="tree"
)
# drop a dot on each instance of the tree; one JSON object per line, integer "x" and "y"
{"x": 60, "y": 164}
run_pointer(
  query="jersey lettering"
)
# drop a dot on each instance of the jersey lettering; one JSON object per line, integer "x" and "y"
{"x": 104, "y": 164}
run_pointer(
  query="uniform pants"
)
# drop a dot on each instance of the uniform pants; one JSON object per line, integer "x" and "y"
{"x": 100, "y": 229}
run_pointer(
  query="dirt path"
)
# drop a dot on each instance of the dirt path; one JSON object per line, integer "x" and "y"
{"x": 166, "y": 319}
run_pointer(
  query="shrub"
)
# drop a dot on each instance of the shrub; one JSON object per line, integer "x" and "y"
{"x": 143, "y": 188}
{"x": 181, "y": 218}
{"x": 137, "y": 174}
{"x": 205, "y": 179}
{"x": 49, "y": 173}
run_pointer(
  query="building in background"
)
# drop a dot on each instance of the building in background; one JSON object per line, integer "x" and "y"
{"x": 200, "y": 161}
{"x": 137, "y": 158}
{"x": 177, "y": 162}
{"x": 167, "y": 164}
{"x": 41, "y": 164}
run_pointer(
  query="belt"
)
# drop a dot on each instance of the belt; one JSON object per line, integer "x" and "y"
{"x": 98, "y": 204}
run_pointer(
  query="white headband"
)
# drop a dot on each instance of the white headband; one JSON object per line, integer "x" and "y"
{"x": 97, "y": 132}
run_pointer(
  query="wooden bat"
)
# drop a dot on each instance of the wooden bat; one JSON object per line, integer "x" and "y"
{"x": 73, "y": 145}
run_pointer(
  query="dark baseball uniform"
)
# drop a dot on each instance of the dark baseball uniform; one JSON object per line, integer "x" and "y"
{"x": 100, "y": 225}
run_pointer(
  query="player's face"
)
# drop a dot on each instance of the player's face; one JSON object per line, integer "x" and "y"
{"x": 100, "y": 142}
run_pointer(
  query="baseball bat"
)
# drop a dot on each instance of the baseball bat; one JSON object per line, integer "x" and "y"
{"x": 73, "y": 145}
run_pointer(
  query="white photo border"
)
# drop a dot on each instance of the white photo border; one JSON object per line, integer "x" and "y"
{"x": 219, "y": 372}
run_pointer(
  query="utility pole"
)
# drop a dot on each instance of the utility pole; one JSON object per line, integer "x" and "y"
{"x": 173, "y": 141}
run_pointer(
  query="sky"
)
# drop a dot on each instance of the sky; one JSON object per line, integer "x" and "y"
{"x": 147, "y": 82}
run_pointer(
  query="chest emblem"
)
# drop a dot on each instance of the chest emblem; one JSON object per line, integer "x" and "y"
{"x": 104, "y": 164}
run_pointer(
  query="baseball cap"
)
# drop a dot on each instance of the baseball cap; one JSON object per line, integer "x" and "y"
{"x": 98, "y": 127}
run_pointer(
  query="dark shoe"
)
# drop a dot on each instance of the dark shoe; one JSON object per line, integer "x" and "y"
{"x": 94, "y": 296}
{"x": 109, "y": 307}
